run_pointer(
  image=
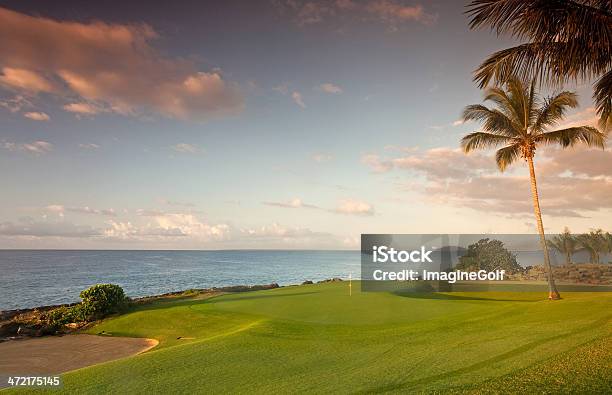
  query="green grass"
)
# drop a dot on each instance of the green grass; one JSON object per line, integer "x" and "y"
{"x": 317, "y": 338}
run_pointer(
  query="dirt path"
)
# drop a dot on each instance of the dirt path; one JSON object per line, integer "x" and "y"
{"x": 55, "y": 354}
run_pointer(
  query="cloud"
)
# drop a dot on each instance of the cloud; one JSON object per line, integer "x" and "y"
{"x": 376, "y": 164}
{"x": 297, "y": 98}
{"x": 83, "y": 108}
{"x": 389, "y": 12}
{"x": 275, "y": 231}
{"x": 88, "y": 210}
{"x": 187, "y": 148}
{"x": 330, "y": 88}
{"x": 61, "y": 209}
{"x": 36, "y": 116}
{"x": 322, "y": 157}
{"x": 176, "y": 203}
{"x": 395, "y": 12}
{"x": 16, "y": 103}
{"x": 283, "y": 89}
{"x": 458, "y": 122}
{"x": 36, "y": 147}
{"x": 572, "y": 182}
{"x": 354, "y": 207}
{"x": 47, "y": 229}
{"x": 293, "y": 203}
{"x": 114, "y": 66}
{"x": 24, "y": 80}
{"x": 89, "y": 146}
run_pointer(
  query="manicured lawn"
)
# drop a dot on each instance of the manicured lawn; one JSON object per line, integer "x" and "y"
{"x": 319, "y": 339}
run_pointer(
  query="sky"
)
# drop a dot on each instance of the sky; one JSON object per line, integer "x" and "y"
{"x": 261, "y": 125}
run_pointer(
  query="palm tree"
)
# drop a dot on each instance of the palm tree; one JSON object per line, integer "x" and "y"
{"x": 566, "y": 244}
{"x": 595, "y": 242}
{"x": 566, "y": 40}
{"x": 520, "y": 123}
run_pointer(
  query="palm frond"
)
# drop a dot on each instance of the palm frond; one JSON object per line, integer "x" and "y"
{"x": 602, "y": 96}
{"x": 585, "y": 26}
{"x": 546, "y": 62}
{"x": 493, "y": 120}
{"x": 482, "y": 140}
{"x": 554, "y": 109}
{"x": 566, "y": 41}
{"x": 571, "y": 136}
{"x": 507, "y": 155}
{"x": 505, "y": 104}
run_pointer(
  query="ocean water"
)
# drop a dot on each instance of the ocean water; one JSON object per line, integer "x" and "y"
{"x": 30, "y": 278}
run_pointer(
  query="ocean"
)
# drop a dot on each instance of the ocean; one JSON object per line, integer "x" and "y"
{"x": 31, "y": 278}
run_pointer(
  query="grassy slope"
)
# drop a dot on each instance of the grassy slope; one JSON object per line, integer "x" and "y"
{"x": 318, "y": 339}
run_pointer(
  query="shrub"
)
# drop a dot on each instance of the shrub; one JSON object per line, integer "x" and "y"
{"x": 61, "y": 316}
{"x": 101, "y": 300}
{"x": 488, "y": 255}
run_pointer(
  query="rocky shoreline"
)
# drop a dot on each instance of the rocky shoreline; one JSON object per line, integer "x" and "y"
{"x": 24, "y": 323}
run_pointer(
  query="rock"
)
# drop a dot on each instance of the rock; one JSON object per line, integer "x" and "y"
{"x": 9, "y": 329}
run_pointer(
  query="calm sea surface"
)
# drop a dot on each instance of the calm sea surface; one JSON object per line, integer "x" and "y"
{"x": 30, "y": 278}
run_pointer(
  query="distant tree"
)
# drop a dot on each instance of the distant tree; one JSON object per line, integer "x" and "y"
{"x": 564, "y": 40}
{"x": 595, "y": 242}
{"x": 566, "y": 244}
{"x": 519, "y": 123}
{"x": 488, "y": 255}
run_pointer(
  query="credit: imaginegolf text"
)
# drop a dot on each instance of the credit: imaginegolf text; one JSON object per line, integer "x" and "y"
{"x": 389, "y": 255}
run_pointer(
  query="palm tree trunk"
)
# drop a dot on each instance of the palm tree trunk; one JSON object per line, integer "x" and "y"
{"x": 553, "y": 294}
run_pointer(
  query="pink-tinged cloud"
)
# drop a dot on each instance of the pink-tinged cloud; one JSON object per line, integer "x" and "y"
{"x": 112, "y": 65}
{"x": 21, "y": 79}
{"x": 572, "y": 182}
{"x": 330, "y": 88}
{"x": 297, "y": 98}
{"x": 36, "y": 116}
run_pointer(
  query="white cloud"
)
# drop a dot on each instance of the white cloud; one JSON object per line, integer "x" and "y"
{"x": 36, "y": 116}
{"x": 187, "y": 148}
{"x": 89, "y": 146}
{"x": 47, "y": 229}
{"x": 297, "y": 98}
{"x": 83, "y": 108}
{"x": 330, "y": 88}
{"x": 36, "y": 147}
{"x": 293, "y": 203}
{"x": 354, "y": 207}
{"x": 61, "y": 210}
{"x": 283, "y": 89}
{"x": 322, "y": 157}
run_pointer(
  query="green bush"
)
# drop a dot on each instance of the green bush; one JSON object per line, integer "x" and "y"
{"x": 101, "y": 300}
{"x": 59, "y": 317}
{"x": 488, "y": 255}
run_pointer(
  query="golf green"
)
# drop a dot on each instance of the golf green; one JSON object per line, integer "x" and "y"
{"x": 317, "y": 338}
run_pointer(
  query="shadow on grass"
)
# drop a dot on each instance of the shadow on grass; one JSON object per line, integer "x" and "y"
{"x": 239, "y": 297}
{"x": 443, "y": 296}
